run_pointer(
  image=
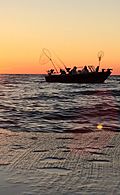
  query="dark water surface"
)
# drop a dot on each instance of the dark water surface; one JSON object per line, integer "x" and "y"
{"x": 28, "y": 103}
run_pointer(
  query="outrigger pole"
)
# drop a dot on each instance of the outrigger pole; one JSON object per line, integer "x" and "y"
{"x": 50, "y": 60}
{"x": 53, "y": 65}
{"x": 60, "y": 60}
{"x": 67, "y": 69}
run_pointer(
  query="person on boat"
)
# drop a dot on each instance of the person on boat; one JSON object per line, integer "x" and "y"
{"x": 74, "y": 70}
{"x": 103, "y": 70}
{"x": 62, "y": 72}
{"x": 51, "y": 71}
{"x": 109, "y": 70}
{"x": 97, "y": 69}
{"x": 85, "y": 70}
{"x": 68, "y": 70}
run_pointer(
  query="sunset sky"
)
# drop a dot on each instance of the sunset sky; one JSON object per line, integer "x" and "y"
{"x": 74, "y": 29}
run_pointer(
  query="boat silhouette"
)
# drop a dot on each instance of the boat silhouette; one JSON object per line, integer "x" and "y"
{"x": 89, "y": 74}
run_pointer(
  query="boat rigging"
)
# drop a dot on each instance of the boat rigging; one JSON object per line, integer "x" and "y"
{"x": 89, "y": 74}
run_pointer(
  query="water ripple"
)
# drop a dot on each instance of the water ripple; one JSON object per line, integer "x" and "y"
{"x": 28, "y": 103}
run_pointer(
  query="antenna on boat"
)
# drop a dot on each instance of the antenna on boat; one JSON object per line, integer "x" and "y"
{"x": 100, "y": 55}
{"x": 47, "y": 54}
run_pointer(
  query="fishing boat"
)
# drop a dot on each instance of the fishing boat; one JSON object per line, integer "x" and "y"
{"x": 88, "y": 74}
{"x": 90, "y": 77}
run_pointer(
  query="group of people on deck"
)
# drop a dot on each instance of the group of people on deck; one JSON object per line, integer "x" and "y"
{"x": 73, "y": 71}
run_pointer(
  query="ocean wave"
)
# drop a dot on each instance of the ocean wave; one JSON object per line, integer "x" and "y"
{"x": 28, "y": 103}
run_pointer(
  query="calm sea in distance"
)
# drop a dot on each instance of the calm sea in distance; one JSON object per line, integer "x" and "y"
{"x": 28, "y": 103}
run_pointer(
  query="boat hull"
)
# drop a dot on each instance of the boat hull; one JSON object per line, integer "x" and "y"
{"x": 91, "y": 77}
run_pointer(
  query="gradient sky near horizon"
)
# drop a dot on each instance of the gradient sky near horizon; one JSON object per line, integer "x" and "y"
{"x": 75, "y": 29}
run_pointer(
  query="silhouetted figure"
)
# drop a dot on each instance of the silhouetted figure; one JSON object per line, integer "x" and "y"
{"x": 68, "y": 69}
{"x": 103, "y": 70}
{"x": 74, "y": 70}
{"x": 62, "y": 72}
{"x": 50, "y": 71}
{"x": 85, "y": 70}
{"x": 97, "y": 68}
{"x": 109, "y": 70}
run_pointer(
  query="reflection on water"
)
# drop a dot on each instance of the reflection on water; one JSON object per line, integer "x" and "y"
{"x": 28, "y": 103}
{"x": 99, "y": 126}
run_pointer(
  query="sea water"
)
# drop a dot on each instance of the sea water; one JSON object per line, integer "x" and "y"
{"x": 29, "y": 103}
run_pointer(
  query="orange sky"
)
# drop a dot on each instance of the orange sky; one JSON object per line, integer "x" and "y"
{"x": 75, "y": 29}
